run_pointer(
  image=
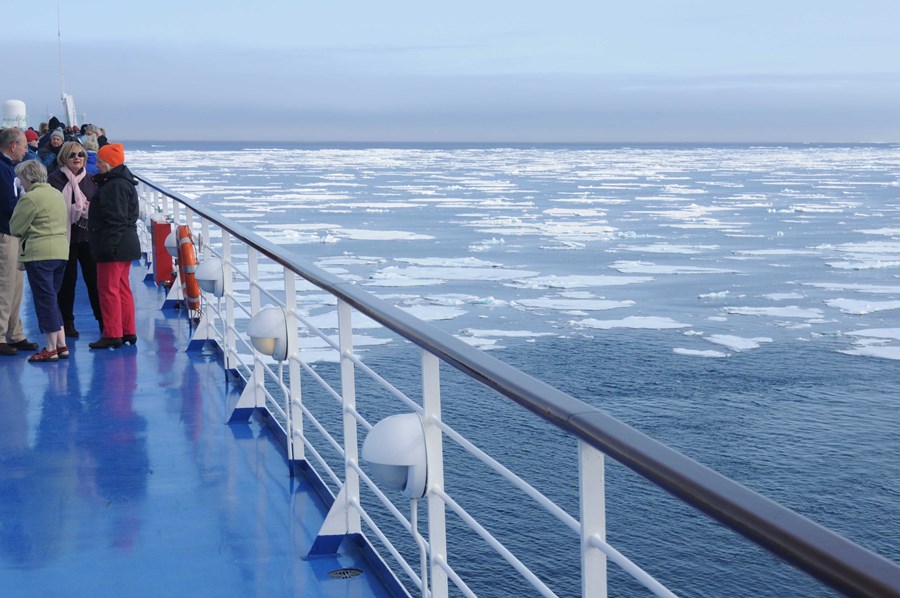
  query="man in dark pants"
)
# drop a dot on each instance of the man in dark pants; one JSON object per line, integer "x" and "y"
{"x": 13, "y": 147}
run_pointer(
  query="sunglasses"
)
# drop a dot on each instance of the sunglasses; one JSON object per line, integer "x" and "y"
{"x": 78, "y": 155}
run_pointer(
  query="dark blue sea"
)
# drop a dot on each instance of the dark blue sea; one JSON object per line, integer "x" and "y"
{"x": 739, "y": 303}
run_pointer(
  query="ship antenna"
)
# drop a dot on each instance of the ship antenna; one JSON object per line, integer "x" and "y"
{"x": 62, "y": 83}
{"x": 68, "y": 101}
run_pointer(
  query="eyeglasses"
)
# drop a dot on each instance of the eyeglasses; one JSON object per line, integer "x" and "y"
{"x": 78, "y": 155}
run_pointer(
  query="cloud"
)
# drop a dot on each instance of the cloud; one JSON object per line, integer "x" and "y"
{"x": 213, "y": 91}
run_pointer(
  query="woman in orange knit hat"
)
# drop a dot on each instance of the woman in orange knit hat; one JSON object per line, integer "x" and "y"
{"x": 112, "y": 228}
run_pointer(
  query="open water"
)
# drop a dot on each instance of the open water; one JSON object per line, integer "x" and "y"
{"x": 740, "y": 303}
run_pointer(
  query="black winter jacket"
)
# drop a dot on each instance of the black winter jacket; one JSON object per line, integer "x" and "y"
{"x": 113, "y": 215}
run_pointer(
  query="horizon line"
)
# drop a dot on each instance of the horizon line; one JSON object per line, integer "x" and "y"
{"x": 497, "y": 143}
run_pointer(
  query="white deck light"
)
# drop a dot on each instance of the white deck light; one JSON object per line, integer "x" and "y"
{"x": 172, "y": 244}
{"x": 395, "y": 450}
{"x": 268, "y": 333}
{"x": 211, "y": 276}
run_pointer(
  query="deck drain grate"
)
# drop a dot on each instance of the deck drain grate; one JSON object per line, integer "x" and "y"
{"x": 345, "y": 573}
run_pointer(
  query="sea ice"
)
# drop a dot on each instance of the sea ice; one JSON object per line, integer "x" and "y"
{"x": 626, "y": 267}
{"x": 698, "y": 353}
{"x": 557, "y": 303}
{"x": 737, "y": 343}
{"x": 503, "y": 333}
{"x": 647, "y": 322}
{"x": 857, "y": 307}
{"x": 669, "y": 248}
{"x": 576, "y": 281}
{"x": 884, "y": 333}
{"x": 884, "y": 352}
{"x": 714, "y": 295}
{"x": 432, "y": 313}
{"x": 451, "y": 273}
{"x": 362, "y": 234}
{"x": 787, "y": 311}
{"x": 782, "y": 296}
{"x": 860, "y": 288}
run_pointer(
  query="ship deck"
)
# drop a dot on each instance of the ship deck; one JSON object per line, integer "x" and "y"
{"x": 119, "y": 476}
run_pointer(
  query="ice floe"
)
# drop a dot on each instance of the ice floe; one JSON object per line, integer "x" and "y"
{"x": 698, "y": 352}
{"x": 737, "y": 343}
{"x": 858, "y": 307}
{"x": 626, "y": 267}
{"x": 637, "y": 322}
{"x": 564, "y": 304}
{"x": 873, "y": 342}
{"x": 787, "y": 311}
{"x": 577, "y": 281}
{"x": 857, "y": 287}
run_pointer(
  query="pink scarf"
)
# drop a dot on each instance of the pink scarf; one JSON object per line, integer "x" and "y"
{"x": 75, "y": 198}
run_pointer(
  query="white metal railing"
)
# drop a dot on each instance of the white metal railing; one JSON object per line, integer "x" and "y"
{"x": 245, "y": 256}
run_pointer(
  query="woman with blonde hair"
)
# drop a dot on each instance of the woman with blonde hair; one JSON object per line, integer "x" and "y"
{"x": 91, "y": 146}
{"x": 73, "y": 180}
{"x": 41, "y": 220}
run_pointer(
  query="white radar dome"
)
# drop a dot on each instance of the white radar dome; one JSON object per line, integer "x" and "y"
{"x": 14, "y": 114}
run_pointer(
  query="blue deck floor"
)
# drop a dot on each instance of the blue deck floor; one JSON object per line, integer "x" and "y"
{"x": 119, "y": 477}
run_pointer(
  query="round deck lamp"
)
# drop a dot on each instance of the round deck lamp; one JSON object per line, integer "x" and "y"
{"x": 395, "y": 450}
{"x": 211, "y": 276}
{"x": 268, "y": 333}
{"x": 172, "y": 244}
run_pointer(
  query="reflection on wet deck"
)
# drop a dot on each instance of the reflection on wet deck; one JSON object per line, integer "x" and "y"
{"x": 119, "y": 477}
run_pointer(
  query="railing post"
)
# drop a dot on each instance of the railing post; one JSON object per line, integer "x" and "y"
{"x": 348, "y": 392}
{"x": 296, "y": 450}
{"x": 343, "y": 519}
{"x": 434, "y": 450}
{"x": 165, "y": 202}
{"x": 230, "y": 348}
{"x": 592, "y": 491}
{"x": 259, "y": 373}
{"x": 204, "y": 235}
{"x": 253, "y": 396}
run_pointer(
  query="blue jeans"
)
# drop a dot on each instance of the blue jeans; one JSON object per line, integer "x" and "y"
{"x": 45, "y": 278}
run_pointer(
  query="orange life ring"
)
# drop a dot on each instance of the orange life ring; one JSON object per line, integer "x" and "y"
{"x": 187, "y": 267}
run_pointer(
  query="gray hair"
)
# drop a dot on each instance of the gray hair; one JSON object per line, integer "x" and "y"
{"x": 31, "y": 172}
{"x": 9, "y": 136}
{"x": 90, "y": 142}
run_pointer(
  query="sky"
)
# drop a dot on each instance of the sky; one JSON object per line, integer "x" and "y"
{"x": 468, "y": 70}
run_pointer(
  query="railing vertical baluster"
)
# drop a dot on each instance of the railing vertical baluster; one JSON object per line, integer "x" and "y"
{"x": 230, "y": 348}
{"x": 165, "y": 202}
{"x": 592, "y": 490}
{"x": 176, "y": 213}
{"x": 204, "y": 234}
{"x": 259, "y": 372}
{"x": 296, "y": 450}
{"x": 348, "y": 392}
{"x": 434, "y": 450}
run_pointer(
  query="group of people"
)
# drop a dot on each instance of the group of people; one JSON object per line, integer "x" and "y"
{"x": 56, "y": 215}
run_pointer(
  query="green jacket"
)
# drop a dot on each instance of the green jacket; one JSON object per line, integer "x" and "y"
{"x": 41, "y": 221}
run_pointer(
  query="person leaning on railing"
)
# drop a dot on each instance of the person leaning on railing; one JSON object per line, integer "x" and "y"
{"x": 112, "y": 229}
{"x": 41, "y": 221}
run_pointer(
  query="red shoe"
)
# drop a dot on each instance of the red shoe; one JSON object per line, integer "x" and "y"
{"x": 44, "y": 356}
{"x": 62, "y": 352}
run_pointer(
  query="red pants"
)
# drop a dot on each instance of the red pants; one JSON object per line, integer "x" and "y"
{"x": 116, "y": 300}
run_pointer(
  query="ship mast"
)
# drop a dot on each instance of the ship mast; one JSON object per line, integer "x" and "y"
{"x": 68, "y": 101}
